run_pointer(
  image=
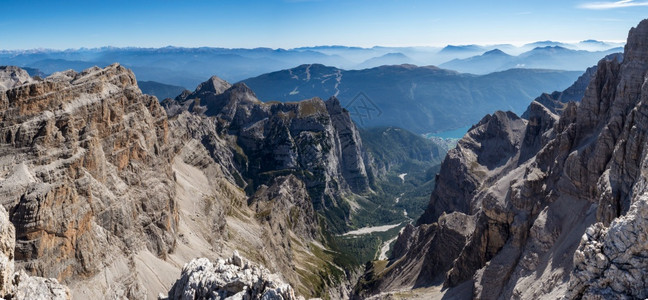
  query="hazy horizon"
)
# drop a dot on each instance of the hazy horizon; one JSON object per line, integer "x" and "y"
{"x": 289, "y": 24}
{"x": 307, "y": 46}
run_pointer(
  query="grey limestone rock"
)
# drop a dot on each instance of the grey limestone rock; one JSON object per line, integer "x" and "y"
{"x": 38, "y": 288}
{"x": 610, "y": 261}
{"x": 11, "y": 77}
{"x": 19, "y": 285}
{"x": 233, "y": 278}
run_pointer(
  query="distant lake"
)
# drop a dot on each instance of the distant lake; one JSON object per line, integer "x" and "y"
{"x": 450, "y": 134}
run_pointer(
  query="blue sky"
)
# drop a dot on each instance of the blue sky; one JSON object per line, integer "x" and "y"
{"x": 293, "y": 23}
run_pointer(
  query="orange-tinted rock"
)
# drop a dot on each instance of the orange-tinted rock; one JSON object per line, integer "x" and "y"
{"x": 91, "y": 147}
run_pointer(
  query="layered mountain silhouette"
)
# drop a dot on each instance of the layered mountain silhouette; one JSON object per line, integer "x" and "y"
{"x": 419, "y": 99}
{"x": 542, "y": 57}
{"x": 187, "y": 67}
{"x": 160, "y": 90}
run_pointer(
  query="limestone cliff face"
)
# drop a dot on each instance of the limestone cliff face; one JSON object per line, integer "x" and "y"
{"x": 85, "y": 171}
{"x": 535, "y": 187}
{"x": 19, "y": 285}
{"x": 314, "y": 140}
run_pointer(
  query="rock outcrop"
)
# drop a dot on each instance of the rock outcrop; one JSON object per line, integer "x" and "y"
{"x": 534, "y": 187}
{"x": 610, "y": 261}
{"x": 234, "y": 278}
{"x": 31, "y": 287}
{"x": 11, "y": 77}
{"x": 19, "y": 285}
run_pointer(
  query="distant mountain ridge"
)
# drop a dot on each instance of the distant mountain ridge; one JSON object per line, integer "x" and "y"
{"x": 187, "y": 67}
{"x": 545, "y": 56}
{"x": 395, "y": 58}
{"x": 419, "y": 99}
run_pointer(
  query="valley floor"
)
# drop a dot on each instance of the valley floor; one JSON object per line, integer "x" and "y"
{"x": 463, "y": 291}
{"x": 366, "y": 230}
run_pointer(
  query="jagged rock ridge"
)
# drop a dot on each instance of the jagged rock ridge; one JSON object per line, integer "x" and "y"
{"x": 314, "y": 140}
{"x": 534, "y": 187}
{"x": 11, "y": 77}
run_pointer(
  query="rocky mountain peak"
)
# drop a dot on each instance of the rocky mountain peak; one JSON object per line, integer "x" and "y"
{"x": 211, "y": 98}
{"x": 312, "y": 137}
{"x": 214, "y": 85}
{"x": 234, "y": 278}
{"x": 11, "y": 77}
{"x": 241, "y": 93}
{"x": 489, "y": 146}
{"x": 636, "y": 48}
{"x": 495, "y": 52}
{"x": 333, "y": 105}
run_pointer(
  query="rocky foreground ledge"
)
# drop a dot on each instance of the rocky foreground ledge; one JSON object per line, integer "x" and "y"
{"x": 232, "y": 279}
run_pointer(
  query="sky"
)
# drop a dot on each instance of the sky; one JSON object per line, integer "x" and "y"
{"x": 34, "y": 24}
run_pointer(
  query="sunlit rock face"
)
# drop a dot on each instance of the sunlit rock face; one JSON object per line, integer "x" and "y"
{"x": 85, "y": 170}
